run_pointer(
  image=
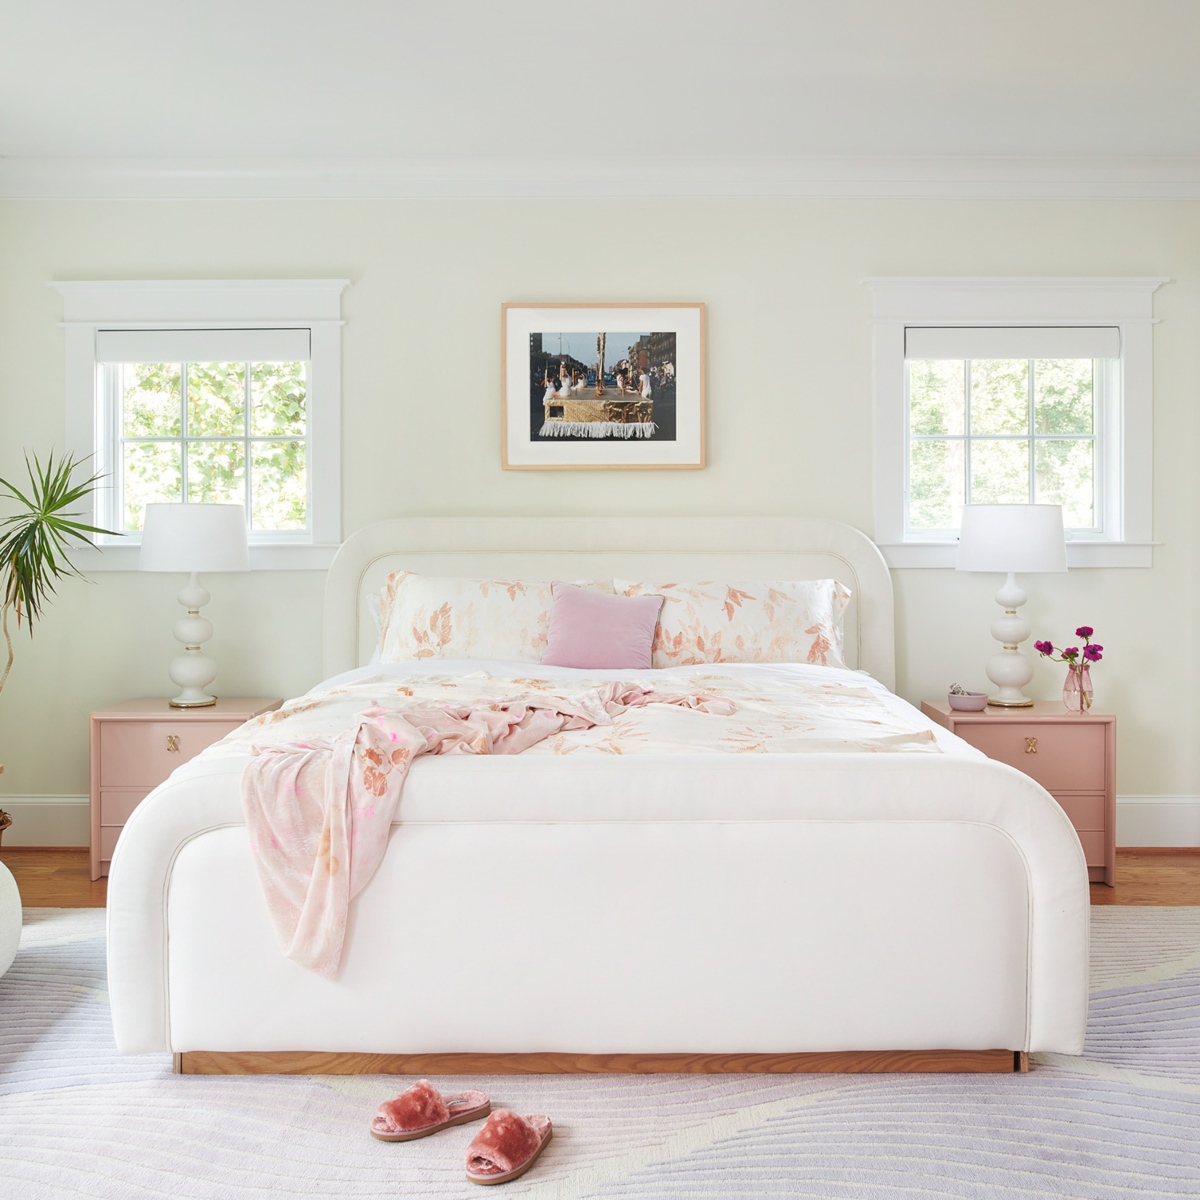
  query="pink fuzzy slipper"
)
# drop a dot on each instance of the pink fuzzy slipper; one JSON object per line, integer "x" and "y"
{"x": 507, "y": 1146}
{"x": 422, "y": 1110}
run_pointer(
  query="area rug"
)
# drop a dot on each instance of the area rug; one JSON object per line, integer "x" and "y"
{"x": 78, "y": 1120}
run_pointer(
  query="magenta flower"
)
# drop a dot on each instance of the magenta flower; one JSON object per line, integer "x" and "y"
{"x": 1071, "y": 655}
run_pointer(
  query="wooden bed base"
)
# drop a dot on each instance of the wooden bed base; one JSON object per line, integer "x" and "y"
{"x": 849, "y": 1062}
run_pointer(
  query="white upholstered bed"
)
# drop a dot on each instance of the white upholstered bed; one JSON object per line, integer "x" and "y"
{"x": 755, "y": 911}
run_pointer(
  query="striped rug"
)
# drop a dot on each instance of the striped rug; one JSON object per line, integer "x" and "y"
{"x": 77, "y": 1120}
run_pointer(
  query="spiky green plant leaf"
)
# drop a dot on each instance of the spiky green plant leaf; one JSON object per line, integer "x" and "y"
{"x": 35, "y": 541}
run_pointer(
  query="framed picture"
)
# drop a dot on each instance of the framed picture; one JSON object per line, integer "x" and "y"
{"x": 591, "y": 386}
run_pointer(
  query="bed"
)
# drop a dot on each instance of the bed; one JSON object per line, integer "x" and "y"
{"x": 541, "y": 912}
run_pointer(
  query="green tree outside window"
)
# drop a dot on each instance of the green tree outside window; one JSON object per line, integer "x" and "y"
{"x": 1001, "y": 431}
{"x": 228, "y": 432}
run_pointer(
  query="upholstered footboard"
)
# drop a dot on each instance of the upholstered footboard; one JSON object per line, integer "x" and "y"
{"x": 758, "y": 910}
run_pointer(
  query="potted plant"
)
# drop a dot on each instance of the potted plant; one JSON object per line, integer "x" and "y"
{"x": 35, "y": 542}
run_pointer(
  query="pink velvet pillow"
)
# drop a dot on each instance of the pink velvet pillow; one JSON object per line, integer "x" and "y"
{"x": 593, "y": 630}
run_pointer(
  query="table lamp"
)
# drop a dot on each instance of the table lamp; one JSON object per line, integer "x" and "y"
{"x": 1011, "y": 538}
{"x": 192, "y": 538}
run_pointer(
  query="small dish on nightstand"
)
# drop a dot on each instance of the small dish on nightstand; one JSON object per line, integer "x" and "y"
{"x": 967, "y": 701}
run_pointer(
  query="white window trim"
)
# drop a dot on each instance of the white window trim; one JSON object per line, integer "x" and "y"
{"x": 312, "y": 304}
{"x": 1126, "y": 303}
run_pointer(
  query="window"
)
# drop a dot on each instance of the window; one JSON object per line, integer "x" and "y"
{"x": 217, "y": 410}
{"x": 997, "y": 391}
{"x": 207, "y": 426}
{"x": 1002, "y": 431}
{"x": 1008, "y": 416}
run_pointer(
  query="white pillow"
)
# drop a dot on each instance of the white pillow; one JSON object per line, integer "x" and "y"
{"x": 768, "y": 622}
{"x": 435, "y": 616}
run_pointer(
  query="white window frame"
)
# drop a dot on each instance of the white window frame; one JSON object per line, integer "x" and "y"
{"x": 901, "y": 303}
{"x": 160, "y": 305}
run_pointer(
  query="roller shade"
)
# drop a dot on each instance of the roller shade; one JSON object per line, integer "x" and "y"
{"x": 202, "y": 345}
{"x": 1093, "y": 341}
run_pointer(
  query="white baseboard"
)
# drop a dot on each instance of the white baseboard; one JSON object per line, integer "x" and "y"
{"x": 1141, "y": 820}
{"x": 1158, "y": 821}
{"x": 47, "y": 820}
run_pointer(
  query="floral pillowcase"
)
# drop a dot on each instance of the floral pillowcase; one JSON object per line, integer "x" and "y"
{"x": 433, "y": 616}
{"x": 746, "y": 622}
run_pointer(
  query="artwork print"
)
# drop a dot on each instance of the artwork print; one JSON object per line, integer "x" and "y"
{"x": 603, "y": 386}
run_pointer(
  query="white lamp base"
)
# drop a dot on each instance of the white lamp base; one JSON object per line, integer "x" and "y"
{"x": 192, "y": 697}
{"x": 1010, "y": 670}
{"x": 193, "y": 670}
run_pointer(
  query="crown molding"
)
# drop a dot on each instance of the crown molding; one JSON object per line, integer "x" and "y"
{"x": 676, "y": 177}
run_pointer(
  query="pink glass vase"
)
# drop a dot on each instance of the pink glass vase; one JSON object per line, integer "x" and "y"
{"x": 1077, "y": 688}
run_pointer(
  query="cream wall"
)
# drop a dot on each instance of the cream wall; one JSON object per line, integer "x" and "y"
{"x": 789, "y": 416}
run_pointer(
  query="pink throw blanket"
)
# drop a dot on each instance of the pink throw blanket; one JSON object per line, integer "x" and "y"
{"x": 319, "y": 812}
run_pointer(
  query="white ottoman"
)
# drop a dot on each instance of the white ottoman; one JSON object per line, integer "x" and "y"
{"x": 10, "y": 918}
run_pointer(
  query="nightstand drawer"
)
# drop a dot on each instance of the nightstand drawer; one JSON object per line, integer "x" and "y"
{"x": 1093, "y": 848}
{"x": 144, "y": 753}
{"x": 116, "y": 806}
{"x": 1086, "y": 812}
{"x": 1061, "y": 757}
{"x": 108, "y": 840}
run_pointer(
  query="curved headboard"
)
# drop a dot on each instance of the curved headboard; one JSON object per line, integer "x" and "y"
{"x": 649, "y": 548}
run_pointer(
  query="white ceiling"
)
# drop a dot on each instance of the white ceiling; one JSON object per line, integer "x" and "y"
{"x": 540, "y": 92}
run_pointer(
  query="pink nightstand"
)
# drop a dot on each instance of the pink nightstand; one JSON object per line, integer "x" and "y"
{"x": 136, "y": 744}
{"x": 1072, "y": 755}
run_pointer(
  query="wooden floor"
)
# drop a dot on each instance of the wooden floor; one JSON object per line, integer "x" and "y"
{"x": 53, "y": 878}
{"x": 1155, "y": 875}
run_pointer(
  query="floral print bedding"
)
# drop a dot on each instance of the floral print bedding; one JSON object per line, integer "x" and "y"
{"x": 433, "y": 616}
{"x": 748, "y": 622}
{"x": 427, "y": 616}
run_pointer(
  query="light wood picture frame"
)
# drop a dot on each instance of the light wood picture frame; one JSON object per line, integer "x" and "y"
{"x": 602, "y": 386}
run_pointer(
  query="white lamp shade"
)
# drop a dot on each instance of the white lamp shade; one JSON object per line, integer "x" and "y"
{"x": 194, "y": 537}
{"x": 1021, "y": 538}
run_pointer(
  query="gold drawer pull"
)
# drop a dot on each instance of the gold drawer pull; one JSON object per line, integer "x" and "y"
{"x": 1031, "y": 745}
{"x": 172, "y": 743}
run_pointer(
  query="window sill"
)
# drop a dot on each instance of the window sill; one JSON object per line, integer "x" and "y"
{"x": 1079, "y": 554}
{"x": 93, "y": 559}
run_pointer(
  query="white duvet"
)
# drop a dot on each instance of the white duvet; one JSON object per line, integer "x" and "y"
{"x": 781, "y": 709}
